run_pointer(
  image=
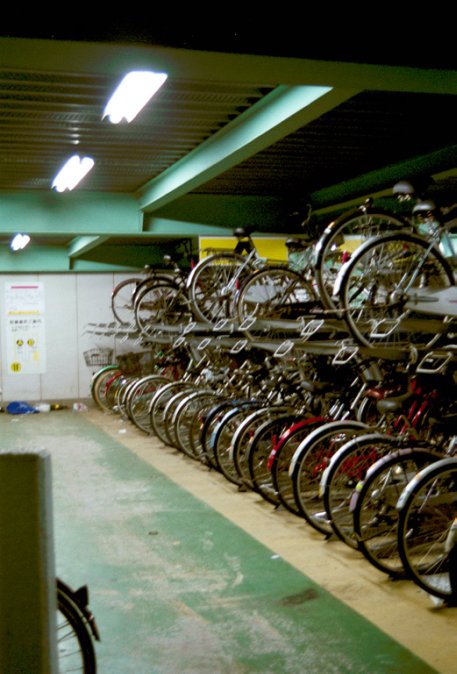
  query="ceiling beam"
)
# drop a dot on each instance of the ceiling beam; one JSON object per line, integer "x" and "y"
{"x": 273, "y": 117}
{"x": 361, "y": 186}
{"x": 83, "y": 244}
{"x": 113, "y": 59}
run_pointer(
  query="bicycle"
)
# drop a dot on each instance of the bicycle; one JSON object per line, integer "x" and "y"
{"x": 387, "y": 290}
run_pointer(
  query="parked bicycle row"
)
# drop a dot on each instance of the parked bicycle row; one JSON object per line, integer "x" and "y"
{"x": 360, "y": 448}
{"x": 373, "y": 275}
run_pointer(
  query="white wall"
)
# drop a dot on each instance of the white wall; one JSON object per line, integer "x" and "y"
{"x": 77, "y": 314}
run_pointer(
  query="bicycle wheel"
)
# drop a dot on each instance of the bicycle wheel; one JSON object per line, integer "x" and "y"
{"x": 158, "y": 404}
{"x": 243, "y": 436}
{"x": 212, "y": 284}
{"x": 376, "y": 290}
{"x": 184, "y": 415}
{"x": 75, "y": 649}
{"x": 160, "y": 303}
{"x": 427, "y": 510}
{"x": 281, "y": 456}
{"x": 374, "y": 511}
{"x": 99, "y": 382}
{"x": 308, "y": 464}
{"x": 342, "y": 237}
{"x": 139, "y": 400}
{"x": 222, "y": 442}
{"x": 122, "y": 300}
{"x": 259, "y": 452}
{"x": 347, "y": 467}
{"x": 270, "y": 297}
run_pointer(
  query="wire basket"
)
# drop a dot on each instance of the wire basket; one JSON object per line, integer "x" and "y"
{"x": 98, "y": 357}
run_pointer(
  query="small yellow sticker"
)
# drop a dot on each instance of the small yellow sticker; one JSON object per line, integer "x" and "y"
{"x": 16, "y": 367}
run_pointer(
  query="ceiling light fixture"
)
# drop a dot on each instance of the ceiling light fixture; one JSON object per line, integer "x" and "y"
{"x": 19, "y": 242}
{"x": 132, "y": 94}
{"x": 72, "y": 173}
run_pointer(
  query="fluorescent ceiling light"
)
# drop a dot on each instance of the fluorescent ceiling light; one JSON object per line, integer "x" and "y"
{"x": 72, "y": 173}
{"x": 132, "y": 94}
{"x": 20, "y": 241}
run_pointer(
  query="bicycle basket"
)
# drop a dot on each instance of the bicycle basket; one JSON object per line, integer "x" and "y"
{"x": 102, "y": 356}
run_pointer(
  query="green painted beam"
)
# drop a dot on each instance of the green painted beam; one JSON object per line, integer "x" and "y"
{"x": 69, "y": 213}
{"x": 82, "y": 244}
{"x": 225, "y": 210}
{"x": 278, "y": 114}
{"x": 363, "y": 185}
{"x": 114, "y": 59}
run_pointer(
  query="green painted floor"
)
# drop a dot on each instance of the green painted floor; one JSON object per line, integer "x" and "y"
{"x": 176, "y": 588}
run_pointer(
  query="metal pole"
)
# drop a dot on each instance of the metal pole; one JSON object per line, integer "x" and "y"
{"x": 27, "y": 569}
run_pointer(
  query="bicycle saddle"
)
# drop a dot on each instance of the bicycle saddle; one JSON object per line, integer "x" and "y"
{"x": 298, "y": 244}
{"x": 403, "y": 187}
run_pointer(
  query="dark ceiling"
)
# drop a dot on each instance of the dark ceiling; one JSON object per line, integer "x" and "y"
{"x": 217, "y": 129}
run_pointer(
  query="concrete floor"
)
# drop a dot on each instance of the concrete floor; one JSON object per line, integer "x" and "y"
{"x": 189, "y": 576}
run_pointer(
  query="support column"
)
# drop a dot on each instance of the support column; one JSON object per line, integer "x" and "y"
{"x": 27, "y": 568}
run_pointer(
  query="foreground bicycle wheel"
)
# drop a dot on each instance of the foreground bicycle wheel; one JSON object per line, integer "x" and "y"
{"x": 428, "y": 509}
{"x": 76, "y": 630}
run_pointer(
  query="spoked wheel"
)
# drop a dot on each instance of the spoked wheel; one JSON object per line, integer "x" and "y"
{"x": 260, "y": 448}
{"x": 374, "y": 507}
{"x": 340, "y": 240}
{"x": 75, "y": 631}
{"x": 122, "y": 300}
{"x": 213, "y": 283}
{"x": 378, "y": 286}
{"x": 161, "y": 303}
{"x": 426, "y": 538}
{"x": 346, "y": 469}
{"x": 309, "y": 463}
{"x": 272, "y": 298}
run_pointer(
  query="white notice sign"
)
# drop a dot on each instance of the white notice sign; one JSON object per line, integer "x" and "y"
{"x": 25, "y": 328}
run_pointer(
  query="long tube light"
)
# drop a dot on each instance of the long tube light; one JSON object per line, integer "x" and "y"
{"x": 132, "y": 94}
{"x": 72, "y": 172}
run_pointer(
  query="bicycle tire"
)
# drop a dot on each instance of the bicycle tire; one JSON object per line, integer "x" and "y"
{"x": 221, "y": 444}
{"x": 98, "y": 385}
{"x": 308, "y": 465}
{"x": 139, "y": 399}
{"x": 374, "y": 507}
{"x": 75, "y": 649}
{"x": 210, "y": 424}
{"x": 281, "y": 457}
{"x": 376, "y": 309}
{"x": 259, "y": 451}
{"x": 426, "y": 513}
{"x": 183, "y": 418}
{"x": 244, "y": 435}
{"x": 212, "y": 284}
{"x": 158, "y": 403}
{"x": 359, "y": 223}
{"x": 160, "y": 303}
{"x": 271, "y": 296}
{"x": 347, "y": 467}
{"x": 122, "y": 298}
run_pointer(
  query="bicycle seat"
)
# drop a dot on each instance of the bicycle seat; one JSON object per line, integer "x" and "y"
{"x": 426, "y": 206}
{"x": 242, "y": 232}
{"x": 393, "y": 404}
{"x": 297, "y": 244}
{"x": 403, "y": 187}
